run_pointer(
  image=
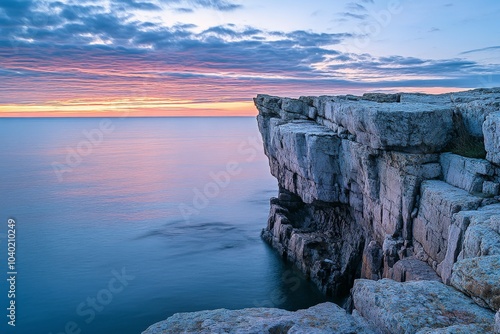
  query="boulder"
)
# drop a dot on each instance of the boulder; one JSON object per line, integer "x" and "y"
{"x": 412, "y": 269}
{"x": 482, "y": 238}
{"x": 321, "y": 319}
{"x": 466, "y": 173}
{"x": 479, "y": 278}
{"x": 415, "y": 127}
{"x": 459, "y": 329}
{"x": 407, "y": 308}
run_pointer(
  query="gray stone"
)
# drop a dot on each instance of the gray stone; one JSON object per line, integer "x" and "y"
{"x": 324, "y": 318}
{"x": 482, "y": 237}
{"x": 479, "y": 278}
{"x": 497, "y": 322}
{"x": 491, "y": 188}
{"x": 393, "y": 126}
{"x": 372, "y": 261}
{"x": 458, "y": 329}
{"x": 438, "y": 203}
{"x": 409, "y": 307}
{"x": 412, "y": 269}
{"x": 441, "y": 99}
{"x": 473, "y": 106}
{"x": 307, "y": 235}
{"x": 303, "y": 159}
{"x": 381, "y": 98}
{"x": 465, "y": 173}
{"x": 354, "y": 175}
{"x": 445, "y": 268}
{"x": 491, "y": 130}
{"x": 475, "y": 112}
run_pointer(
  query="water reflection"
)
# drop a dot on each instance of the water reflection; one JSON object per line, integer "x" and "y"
{"x": 119, "y": 208}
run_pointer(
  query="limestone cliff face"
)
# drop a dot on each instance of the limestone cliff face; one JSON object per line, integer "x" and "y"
{"x": 370, "y": 199}
{"x": 367, "y": 189}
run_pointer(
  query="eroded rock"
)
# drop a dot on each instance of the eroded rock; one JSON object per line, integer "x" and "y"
{"x": 479, "y": 278}
{"x": 404, "y": 308}
{"x": 324, "y": 318}
{"x": 412, "y": 269}
{"x": 491, "y": 129}
{"x": 466, "y": 173}
{"x": 439, "y": 202}
{"x": 483, "y": 235}
{"x": 497, "y": 322}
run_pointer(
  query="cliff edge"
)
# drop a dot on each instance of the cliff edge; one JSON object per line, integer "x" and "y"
{"x": 391, "y": 200}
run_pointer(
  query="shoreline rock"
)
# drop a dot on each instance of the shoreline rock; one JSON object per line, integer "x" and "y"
{"x": 322, "y": 318}
{"x": 372, "y": 203}
{"x": 417, "y": 307}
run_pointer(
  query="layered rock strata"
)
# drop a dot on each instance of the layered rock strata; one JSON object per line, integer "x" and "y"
{"x": 368, "y": 189}
{"x": 373, "y": 204}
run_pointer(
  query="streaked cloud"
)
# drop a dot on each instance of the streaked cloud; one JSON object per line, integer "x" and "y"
{"x": 122, "y": 54}
{"x": 489, "y": 48}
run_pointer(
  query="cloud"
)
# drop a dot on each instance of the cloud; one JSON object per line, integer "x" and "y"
{"x": 134, "y": 4}
{"x": 354, "y": 16}
{"x": 183, "y": 10}
{"x": 16, "y": 9}
{"x": 353, "y": 6}
{"x": 89, "y": 50}
{"x": 221, "y": 5}
{"x": 355, "y": 10}
{"x": 490, "y": 48}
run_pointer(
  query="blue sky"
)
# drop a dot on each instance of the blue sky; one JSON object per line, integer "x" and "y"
{"x": 182, "y": 56}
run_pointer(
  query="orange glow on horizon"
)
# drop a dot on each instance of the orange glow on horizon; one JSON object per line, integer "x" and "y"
{"x": 130, "y": 108}
{"x": 161, "y": 107}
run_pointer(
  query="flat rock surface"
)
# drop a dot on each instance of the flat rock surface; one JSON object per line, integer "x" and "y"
{"x": 497, "y": 322}
{"x": 479, "y": 278}
{"x": 459, "y": 329}
{"x": 407, "y": 308}
{"x": 324, "y": 318}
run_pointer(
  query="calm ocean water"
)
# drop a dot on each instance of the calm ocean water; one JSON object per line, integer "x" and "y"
{"x": 121, "y": 223}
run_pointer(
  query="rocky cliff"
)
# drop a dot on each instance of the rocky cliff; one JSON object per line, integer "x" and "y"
{"x": 391, "y": 200}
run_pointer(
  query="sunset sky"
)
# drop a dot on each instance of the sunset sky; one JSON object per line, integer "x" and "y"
{"x": 210, "y": 57}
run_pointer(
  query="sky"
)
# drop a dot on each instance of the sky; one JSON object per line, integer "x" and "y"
{"x": 211, "y": 57}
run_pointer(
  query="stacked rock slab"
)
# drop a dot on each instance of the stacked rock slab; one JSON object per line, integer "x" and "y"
{"x": 368, "y": 189}
{"x": 370, "y": 199}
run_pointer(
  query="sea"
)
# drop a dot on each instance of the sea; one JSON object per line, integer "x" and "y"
{"x": 108, "y": 225}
